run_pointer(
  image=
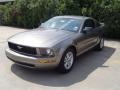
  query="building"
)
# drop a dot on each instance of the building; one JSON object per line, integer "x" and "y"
{"x": 5, "y": 1}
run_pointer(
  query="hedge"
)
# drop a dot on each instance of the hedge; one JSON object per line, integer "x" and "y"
{"x": 30, "y": 13}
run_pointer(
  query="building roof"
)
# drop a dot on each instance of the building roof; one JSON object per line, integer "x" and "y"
{"x": 6, "y": 0}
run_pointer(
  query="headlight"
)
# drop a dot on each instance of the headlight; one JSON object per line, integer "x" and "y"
{"x": 46, "y": 52}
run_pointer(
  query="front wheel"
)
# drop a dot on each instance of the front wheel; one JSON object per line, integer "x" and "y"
{"x": 100, "y": 45}
{"x": 67, "y": 61}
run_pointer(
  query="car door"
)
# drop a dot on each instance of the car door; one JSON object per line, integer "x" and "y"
{"x": 86, "y": 38}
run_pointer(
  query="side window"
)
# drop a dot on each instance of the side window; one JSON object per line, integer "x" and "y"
{"x": 89, "y": 23}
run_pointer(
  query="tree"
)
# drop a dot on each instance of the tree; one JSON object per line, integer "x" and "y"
{"x": 30, "y": 13}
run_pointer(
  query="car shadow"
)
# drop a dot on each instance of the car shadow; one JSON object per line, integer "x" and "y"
{"x": 86, "y": 64}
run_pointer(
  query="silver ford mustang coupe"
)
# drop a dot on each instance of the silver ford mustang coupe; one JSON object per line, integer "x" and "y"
{"x": 56, "y": 43}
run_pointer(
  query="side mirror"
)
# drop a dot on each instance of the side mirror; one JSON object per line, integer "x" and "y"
{"x": 86, "y": 29}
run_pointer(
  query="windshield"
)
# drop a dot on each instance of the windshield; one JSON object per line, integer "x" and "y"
{"x": 68, "y": 24}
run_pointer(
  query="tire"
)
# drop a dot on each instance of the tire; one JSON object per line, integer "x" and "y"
{"x": 64, "y": 66}
{"x": 100, "y": 45}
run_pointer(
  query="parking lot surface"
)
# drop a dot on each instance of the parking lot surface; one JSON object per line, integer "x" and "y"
{"x": 93, "y": 70}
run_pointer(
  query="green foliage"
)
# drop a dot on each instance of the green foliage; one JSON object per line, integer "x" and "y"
{"x": 30, "y": 13}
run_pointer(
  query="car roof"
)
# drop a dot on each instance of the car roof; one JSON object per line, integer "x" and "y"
{"x": 76, "y": 17}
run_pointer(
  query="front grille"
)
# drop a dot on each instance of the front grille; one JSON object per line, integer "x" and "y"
{"x": 22, "y": 49}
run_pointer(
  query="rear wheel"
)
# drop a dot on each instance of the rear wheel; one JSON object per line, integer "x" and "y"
{"x": 100, "y": 45}
{"x": 67, "y": 61}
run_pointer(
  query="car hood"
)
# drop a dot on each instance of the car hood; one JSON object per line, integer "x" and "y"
{"x": 40, "y": 38}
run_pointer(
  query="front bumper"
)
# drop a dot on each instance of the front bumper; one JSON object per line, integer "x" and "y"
{"x": 32, "y": 62}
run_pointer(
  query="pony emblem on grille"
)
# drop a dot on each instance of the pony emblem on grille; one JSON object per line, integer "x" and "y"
{"x": 19, "y": 47}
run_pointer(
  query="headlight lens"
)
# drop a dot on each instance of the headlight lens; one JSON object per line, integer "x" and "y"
{"x": 46, "y": 52}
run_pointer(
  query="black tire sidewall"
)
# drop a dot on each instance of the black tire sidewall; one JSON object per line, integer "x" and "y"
{"x": 61, "y": 67}
{"x": 98, "y": 47}
{"x": 100, "y": 43}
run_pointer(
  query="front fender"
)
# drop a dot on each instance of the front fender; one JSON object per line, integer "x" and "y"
{"x": 64, "y": 46}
